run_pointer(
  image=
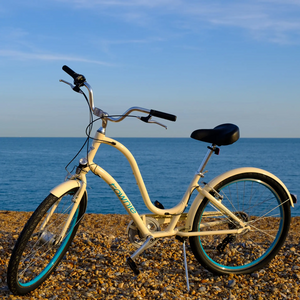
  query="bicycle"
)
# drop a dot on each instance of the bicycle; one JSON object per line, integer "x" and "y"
{"x": 236, "y": 223}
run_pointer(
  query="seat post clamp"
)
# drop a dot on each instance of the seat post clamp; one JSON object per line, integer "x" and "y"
{"x": 216, "y": 150}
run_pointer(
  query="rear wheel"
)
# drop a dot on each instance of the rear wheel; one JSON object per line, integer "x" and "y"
{"x": 261, "y": 203}
{"x": 38, "y": 251}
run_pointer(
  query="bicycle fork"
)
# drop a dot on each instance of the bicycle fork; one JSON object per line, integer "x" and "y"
{"x": 55, "y": 240}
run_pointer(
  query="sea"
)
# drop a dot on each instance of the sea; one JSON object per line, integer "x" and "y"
{"x": 31, "y": 167}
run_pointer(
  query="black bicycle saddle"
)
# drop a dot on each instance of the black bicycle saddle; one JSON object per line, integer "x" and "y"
{"x": 224, "y": 134}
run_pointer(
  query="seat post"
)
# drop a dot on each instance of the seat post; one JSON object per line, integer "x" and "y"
{"x": 206, "y": 159}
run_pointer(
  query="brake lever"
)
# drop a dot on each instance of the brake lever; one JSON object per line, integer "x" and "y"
{"x": 148, "y": 120}
{"x": 73, "y": 87}
{"x": 160, "y": 124}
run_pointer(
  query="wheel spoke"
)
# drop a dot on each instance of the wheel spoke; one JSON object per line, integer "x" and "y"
{"x": 256, "y": 201}
{"x": 37, "y": 252}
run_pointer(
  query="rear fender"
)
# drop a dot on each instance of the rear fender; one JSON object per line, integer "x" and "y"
{"x": 208, "y": 187}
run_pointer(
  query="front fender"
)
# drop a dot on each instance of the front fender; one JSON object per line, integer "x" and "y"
{"x": 220, "y": 178}
{"x": 61, "y": 189}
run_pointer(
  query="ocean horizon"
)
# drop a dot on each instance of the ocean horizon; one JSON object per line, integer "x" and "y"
{"x": 32, "y": 166}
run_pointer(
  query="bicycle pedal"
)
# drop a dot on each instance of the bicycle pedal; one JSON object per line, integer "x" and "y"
{"x": 132, "y": 265}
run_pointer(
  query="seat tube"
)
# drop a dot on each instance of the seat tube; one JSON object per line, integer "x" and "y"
{"x": 205, "y": 160}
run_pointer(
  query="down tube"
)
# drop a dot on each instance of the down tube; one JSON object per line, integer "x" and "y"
{"x": 122, "y": 197}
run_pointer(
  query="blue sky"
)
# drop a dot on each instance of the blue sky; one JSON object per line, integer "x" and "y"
{"x": 208, "y": 62}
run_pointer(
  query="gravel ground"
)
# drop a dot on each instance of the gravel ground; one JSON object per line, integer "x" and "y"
{"x": 95, "y": 267}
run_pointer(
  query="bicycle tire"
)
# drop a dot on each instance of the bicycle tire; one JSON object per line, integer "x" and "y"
{"x": 262, "y": 203}
{"x": 34, "y": 256}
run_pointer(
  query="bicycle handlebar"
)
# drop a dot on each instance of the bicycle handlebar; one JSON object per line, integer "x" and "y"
{"x": 70, "y": 71}
{"x": 162, "y": 115}
{"x": 79, "y": 81}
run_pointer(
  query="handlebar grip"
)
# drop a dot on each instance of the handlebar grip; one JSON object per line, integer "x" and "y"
{"x": 70, "y": 71}
{"x": 163, "y": 115}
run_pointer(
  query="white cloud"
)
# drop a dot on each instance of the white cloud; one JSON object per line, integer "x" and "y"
{"x": 274, "y": 21}
{"x": 122, "y": 3}
{"x": 107, "y": 45}
{"x": 19, "y": 55}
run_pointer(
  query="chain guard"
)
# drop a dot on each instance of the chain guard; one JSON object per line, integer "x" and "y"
{"x": 134, "y": 235}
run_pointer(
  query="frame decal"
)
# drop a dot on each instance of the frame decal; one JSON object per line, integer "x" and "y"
{"x": 122, "y": 197}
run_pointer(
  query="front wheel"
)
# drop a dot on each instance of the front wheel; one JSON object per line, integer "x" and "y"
{"x": 261, "y": 203}
{"x": 38, "y": 250}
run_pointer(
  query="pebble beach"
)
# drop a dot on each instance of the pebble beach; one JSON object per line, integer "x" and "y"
{"x": 95, "y": 267}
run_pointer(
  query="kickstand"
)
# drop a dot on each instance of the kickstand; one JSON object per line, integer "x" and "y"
{"x": 186, "y": 267}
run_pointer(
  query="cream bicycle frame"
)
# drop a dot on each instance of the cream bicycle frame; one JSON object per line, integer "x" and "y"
{"x": 172, "y": 215}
